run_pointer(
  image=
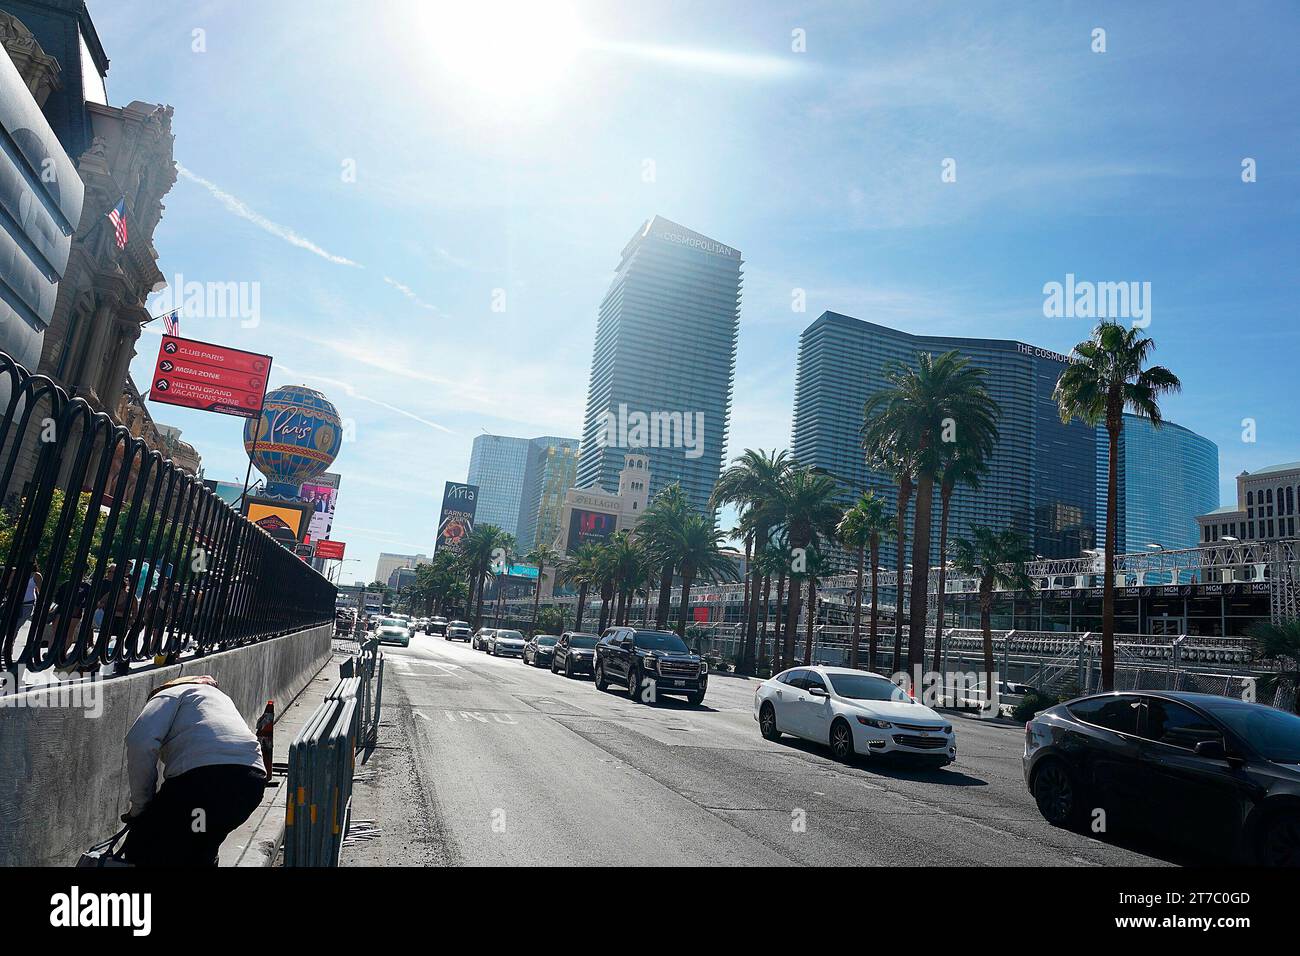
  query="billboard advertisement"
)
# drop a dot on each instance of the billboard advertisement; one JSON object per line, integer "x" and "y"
{"x": 286, "y": 521}
{"x": 589, "y": 527}
{"x": 209, "y": 377}
{"x": 322, "y": 493}
{"x": 459, "y": 503}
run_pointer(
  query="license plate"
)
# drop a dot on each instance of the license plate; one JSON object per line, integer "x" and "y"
{"x": 679, "y": 683}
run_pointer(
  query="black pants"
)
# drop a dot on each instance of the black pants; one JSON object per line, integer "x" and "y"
{"x": 172, "y": 831}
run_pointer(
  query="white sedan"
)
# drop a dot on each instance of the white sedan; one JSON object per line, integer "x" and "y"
{"x": 854, "y": 712}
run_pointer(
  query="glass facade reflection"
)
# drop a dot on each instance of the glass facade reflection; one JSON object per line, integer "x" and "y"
{"x": 1041, "y": 479}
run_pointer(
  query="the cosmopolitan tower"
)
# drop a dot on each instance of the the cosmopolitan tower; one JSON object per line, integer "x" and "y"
{"x": 664, "y": 362}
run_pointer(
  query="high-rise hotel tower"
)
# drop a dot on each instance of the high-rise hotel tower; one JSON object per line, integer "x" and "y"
{"x": 664, "y": 362}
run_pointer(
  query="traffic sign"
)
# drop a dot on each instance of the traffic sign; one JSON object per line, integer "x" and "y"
{"x": 328, "y": 550}
{"x": 214, "y": 378}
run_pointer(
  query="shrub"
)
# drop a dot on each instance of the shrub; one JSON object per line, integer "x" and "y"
{"x": 1032, "y": 704}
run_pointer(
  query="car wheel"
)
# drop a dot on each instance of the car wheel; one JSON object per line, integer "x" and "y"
{"x": 633, "y": 684}
{"x": 568, "y": 668}
{"x": 554, "y": 669}
{"x": 696, "y": 698}
{"x": 842, "y": 740}
{"x": 1280, "y": 844}
{"x": 599, "y": 677}
{"x": 767, "y": 722}
{"x": 1056, "y": 792}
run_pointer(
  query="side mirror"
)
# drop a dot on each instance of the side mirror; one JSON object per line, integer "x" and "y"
{"x": 818, "y": 692}
{"x": 1211, "y": 750}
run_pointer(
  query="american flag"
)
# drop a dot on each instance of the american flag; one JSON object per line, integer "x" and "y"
{"x": 172, "y": 323}
{"x": 117, "y": 216}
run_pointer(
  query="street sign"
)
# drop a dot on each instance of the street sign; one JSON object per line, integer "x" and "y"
{"x": 328, "y": 550}
{"x": 213, "y": 378}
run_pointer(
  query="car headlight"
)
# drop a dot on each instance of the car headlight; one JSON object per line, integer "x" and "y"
{"x": 872, "y": 722}
{"x": 947, "y": 728}
{"x": 704, "y": 668}
{"x": 651, "y": 664}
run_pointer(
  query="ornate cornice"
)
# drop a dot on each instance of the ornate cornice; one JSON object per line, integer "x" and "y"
{"x": 39, "y": 70}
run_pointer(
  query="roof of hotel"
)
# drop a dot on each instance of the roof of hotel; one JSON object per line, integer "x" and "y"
{"x": 1274, "y": 469}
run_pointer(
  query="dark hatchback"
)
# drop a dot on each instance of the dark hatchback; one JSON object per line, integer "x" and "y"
{"x": 539, "y": 650}
{"x": 1219, "y": 775}
{"x": 574, "y": 653}
{"x": 641, "y": 660}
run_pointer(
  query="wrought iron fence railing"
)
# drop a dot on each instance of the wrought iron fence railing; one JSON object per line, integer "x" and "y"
{"x": 112, "y": 554}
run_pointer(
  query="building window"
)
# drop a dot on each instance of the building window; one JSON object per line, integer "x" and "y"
{"x": 1250, "y": 498}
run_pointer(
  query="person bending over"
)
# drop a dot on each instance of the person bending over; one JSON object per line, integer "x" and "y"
{"x": 212, "y": 774}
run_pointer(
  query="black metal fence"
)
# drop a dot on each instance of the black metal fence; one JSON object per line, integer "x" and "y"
{"x": 113, "y": 554}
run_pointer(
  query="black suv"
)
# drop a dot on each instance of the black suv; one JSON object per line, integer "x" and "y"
{"x": 650, "y": 664}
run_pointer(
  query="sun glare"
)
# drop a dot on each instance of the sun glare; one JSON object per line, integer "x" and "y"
{"x": 506, "y": 51}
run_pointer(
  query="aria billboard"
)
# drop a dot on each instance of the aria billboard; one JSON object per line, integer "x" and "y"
{"x": 459, "y": 503}
{"x": 589, "y": 527}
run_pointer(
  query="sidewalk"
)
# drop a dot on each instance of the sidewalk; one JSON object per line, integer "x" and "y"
{"x": 257, "y": 842}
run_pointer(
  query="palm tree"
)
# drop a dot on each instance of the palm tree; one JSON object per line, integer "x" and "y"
{"x": 542, "y": 556}
{"x": 888, "y": 455}
{"x": 998, "y": 559}
{"x": 963, "y": 466}
{"x": 753, "y": 481}
{"x": 696, "y": 549}
{"x": 769, "y": 561}
{"x": 1108, "y": 377}
{"x": 659, "y": 522}
{"x": 815, "y": 566}
{"x": 1278, "y": 646}
{"x": 605, "y": 582}
{"x": 625, "y": 571}
{"x": 922, "y": 409}
{"x": 861, "y": 529}
{"x": 503, "y": 557}
{"x": 810, "y": 511}
{"x": 480, "y": 551}
{"x": 582, "y": 569}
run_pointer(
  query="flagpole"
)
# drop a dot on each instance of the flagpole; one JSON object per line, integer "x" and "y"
{"x": 248, "y": 473}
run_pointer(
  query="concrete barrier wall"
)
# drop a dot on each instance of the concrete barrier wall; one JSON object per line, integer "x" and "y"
{"x": 63, "y": 760}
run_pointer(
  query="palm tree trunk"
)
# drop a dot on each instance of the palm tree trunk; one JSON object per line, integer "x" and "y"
{"x": 778, "y": 660}
{"x": 873, "y": 642}
{"x": 812, "y": 614}
{"x": 920, "y": 570}
{"x": 621, "y": 610}
{"x": 537, "y": 595}
{"x": 687, "y": 581}
{"x": 904, "y": 493}
{"x": 751, "y": 610}
{"x": 582, "y": 606}
{"x": 762, "y": 634}
{"x": 791, "y": 623}
{"x": 1113, "y": 426}
{"x": 986, "y": 605}
{"x": 945, "y": 496}
{"x": 478, "y": 607}
{"x": 665, "y": 596}
{"x": 857, "y": 613}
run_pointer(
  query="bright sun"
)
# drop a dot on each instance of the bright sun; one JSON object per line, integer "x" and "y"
{"x": 505, "y": 51}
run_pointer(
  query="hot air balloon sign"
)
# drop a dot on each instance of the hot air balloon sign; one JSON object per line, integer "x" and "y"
{"x": 296, "y": 438}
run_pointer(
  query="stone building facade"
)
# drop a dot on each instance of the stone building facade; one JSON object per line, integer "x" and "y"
{"x": 121, "y": 154}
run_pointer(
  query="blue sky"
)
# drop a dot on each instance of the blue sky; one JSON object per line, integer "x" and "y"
{"x": 510, "y": 151}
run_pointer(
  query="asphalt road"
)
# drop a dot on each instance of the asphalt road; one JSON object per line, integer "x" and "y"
{"x": 487, "y": 761}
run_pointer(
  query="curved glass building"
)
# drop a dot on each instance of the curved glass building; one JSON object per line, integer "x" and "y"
{"x": 1167, "y": 477}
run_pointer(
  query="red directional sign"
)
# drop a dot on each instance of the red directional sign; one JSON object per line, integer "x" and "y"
{"x": 328, "y": 550}
{"x": 210, "y": 377}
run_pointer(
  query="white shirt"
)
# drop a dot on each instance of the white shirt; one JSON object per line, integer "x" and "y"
{"x": 188, "y": 726}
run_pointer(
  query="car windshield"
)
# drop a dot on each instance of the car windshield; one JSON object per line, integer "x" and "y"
{"x": 866, "y": 687}
{"x": 660, "y": 641}
{"x": 390, "y": 622}
{"x": 582, "y": 642}
{"x": 1274, "y": 733}
{"x": 546, "y": 640}
{"x": 515, "y": 635}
